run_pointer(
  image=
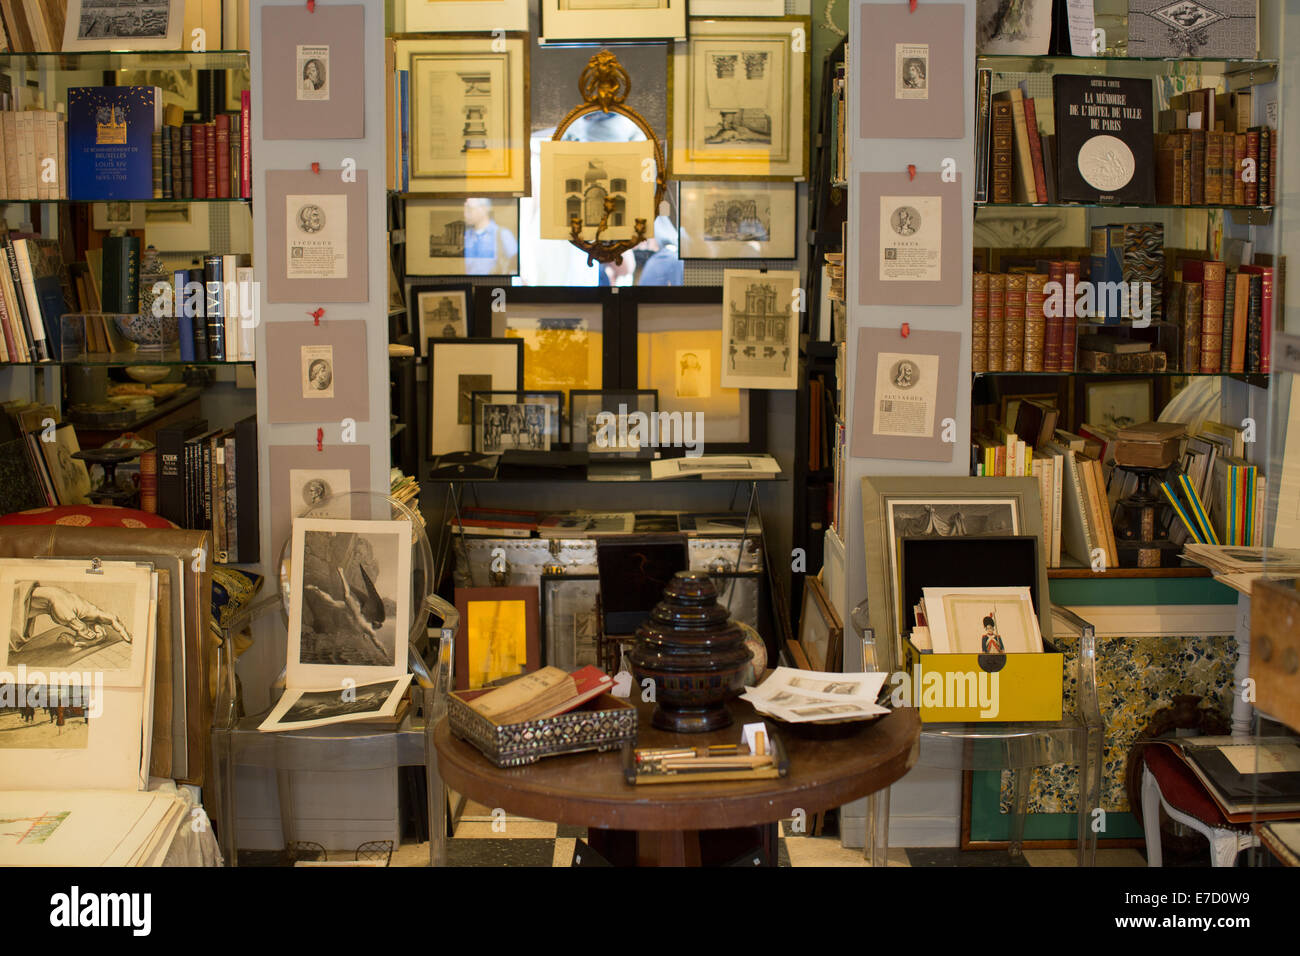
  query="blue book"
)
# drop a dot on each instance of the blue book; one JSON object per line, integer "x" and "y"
{"x": 184, "y": 321}
{"x": 110, "y": 141}
{"x": 1107, "y": 273}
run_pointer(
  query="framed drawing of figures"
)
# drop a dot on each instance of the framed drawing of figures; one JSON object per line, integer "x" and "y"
{"x": 460, "y": 16}
{"x": 623, "y": 20}
{"x": 468, "y": 114}
{"x": 760, "y": 329}
{"x": 737, "y": 97}
{"x": 737, "y": 220}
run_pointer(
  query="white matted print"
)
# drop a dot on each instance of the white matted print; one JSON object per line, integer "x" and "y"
{"x": 123, "y": 25}
{"x": 609, "y": 184}
{"x": 725, "y": 220}
{"x": 736, "y": 8}
{"x": 760, "y": 330}
{"x": 63, "y": 618}
{"x": 460, "y": 16}
{"x": 317, "y": 364}
{"x": 982, "y": 621}
{"x": 320, "y": 491}
{"x": 349, "y": 601}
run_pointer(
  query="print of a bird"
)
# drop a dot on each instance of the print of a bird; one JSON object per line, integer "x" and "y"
{"x": 365, "y": 615}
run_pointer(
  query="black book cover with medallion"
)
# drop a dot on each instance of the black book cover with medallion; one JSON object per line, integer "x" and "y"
{"x": 1105, "y": 139}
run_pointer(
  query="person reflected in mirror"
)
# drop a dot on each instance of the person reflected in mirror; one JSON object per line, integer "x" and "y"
{"x": 490, "y": 248}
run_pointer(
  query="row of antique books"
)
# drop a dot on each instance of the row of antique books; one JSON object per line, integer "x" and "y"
{"x": 34, "y": 146}
{"x": 1208, "y": 153}
{"x": 203, "y": 160}
{"x": 32, "y": 300}
{"x": 203, "y": 478}
{"x": 1224, "y": 316}
{"x": 1010, "y": 331}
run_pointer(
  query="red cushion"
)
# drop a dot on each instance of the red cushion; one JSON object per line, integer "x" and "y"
{"x": 1181, "y": 788}
{"x": 88, "y": 516}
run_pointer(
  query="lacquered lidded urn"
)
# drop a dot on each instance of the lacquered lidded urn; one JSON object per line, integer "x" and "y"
{"x": 695, "y": 655}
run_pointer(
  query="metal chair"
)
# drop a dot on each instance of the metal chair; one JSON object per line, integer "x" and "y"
{"x": 373, "y": 851}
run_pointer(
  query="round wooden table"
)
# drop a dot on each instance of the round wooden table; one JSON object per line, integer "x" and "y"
{"x": 589, "y": 789}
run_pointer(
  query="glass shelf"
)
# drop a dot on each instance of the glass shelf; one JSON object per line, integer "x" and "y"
{"x": 169, "y": 359}
{"x": 1251, "y": 378}
{"x": 126, "y": 60}
{"x": 1121, "y": 65}
{"x": 78, "y": 202}
{"x": 1113, "y": 205}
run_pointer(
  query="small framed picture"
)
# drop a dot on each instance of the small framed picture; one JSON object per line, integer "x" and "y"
{"x": 821, "y": 633}
{"x": 760, "y": 329}
{"x": 516, "y": 421}
{"x": 117, "y": 215}
{"x": 123, "y": 25}
{"x": 615, "y": 424}
{"x": 751, "y": 220}
{"x": 438, "y": 312}
{"x": 571, "y": 619}
{"x": 500, "y": 635}
{"x": 457, "y": 369}
{"x": 462, "y": 237}
{"x": 569, "y": 20}
{"x": 1119, "y": 404}
{"x": 580, "y": 180}
{"x": 982, "y": 621}
{"x": 317, "y": 363}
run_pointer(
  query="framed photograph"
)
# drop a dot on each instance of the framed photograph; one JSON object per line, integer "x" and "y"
{"x": 760, "y": 329}
{"x": 571, "y": 619}
{"x": 569, "y": 336}
{"x": 453, "y": 16}
{"x": 1119, "y": 404}
{"x": 349, "y": 601}
{"x": 566, "y": 20}
{"x": 462, "y": 237}
{"x": 329, "y": 381}
{"x": 93, "y": 25}
{"x": 580, "y": 179}
{"x": 898, "y": 507}
{"x": 469, "y": 114}
{"x": 516, "y": 421}
{"x": 176, "y": 226}
{"x": 912, "y": 79}
{"x": 316, "y": 237}
{"x": 457, "y": 369}
{"x": 678, "y": 330}
{"x": 438, "y": 312}
{"x": 615, "y": 424}
{"x": 910, "y": 240}
{"x": 737, "y": 100}
{"x": 313, "y": 65}
{"x": 737, "y": 220}
{"x": 821, "y": 633}
{"x": 982, "y": 621}
{"x": 500, "y": 635}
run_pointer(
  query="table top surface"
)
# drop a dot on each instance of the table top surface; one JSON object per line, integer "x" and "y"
{"x": 589, "y": 789}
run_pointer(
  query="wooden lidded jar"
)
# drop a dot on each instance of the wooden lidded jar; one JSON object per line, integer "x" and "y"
{"x": 694, "y": 654}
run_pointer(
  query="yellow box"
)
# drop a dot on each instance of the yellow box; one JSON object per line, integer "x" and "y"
{"x": 966, "y": 688}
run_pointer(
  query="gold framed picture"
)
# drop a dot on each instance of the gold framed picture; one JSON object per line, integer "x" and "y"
{"x": 501, "y": 635}
{"x": 567, "y": 20}
{"x": 468, "y": 114}
{"x": 737, "y": 100}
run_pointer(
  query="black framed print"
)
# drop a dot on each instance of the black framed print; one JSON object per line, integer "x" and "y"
{"x": 457, "y": 369}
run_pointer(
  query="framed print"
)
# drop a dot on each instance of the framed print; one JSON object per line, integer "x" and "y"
{"x": 571, "y": 619}
{"x": 615, "y": 424}
{"x": 607, "y": 20}
{"x": 316, "y": 230}
{"x": 176, "y": 226}
{"x": 323, "y": 377}
{"x": 599, "y": 184}
{"x": 500, "y": 635}
{"x": 821, "y": 633}
{"x": 93, "y": 25}
{"x": 291, "y": 464}
{"x": 905, "y": 388}
{"x": 982, "y": 621}
{"x": 736, "y": 8}
{"x": 462, "y": 237}
{"x": 457, "y": 369}
{"x": 468, "y": 16}
{"x": 313, "y": 68}
{"x": 438, "y": 312}
{"x": 349, "y": 601}
{"x": 516, "y": 421}
{"x": 117, "y": 215}
{"x": 468, "y": 114}
{"x": 1119, "y": 404}
{"x": 912, "y": 78}
{"x": 679, "y": 353}
{"x": 754, "y": 220}
{"x": 898, "y": 507}
{"x": 568, "y": 335}
{"x": 911, "y": 249}
{"x": 760, "y": 329}
{"x": 737, "y": 100}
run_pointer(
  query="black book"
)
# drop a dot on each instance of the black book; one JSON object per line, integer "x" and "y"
{"x": 20, "y": 486}
{"x": 37, "y": 345}
{"x": 983, "y": 130}
{"x": 247, "y": 533}
{"x": 195, "y": 276}
{"x": 170, "y": 441}
{"x": 1105, "y": 144}
{"x": 214, "y": 308}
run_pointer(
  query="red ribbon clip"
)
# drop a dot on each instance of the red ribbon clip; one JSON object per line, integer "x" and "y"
{"x": 311, "y": 5}
{"x": 315, "y": 168}
{"x": 911, "y": 171}
{"x": 911, "y": 5}
{"x": 320, "y": 439}
{"x": 316, "y": 315}
{"x": 905, "y": 330}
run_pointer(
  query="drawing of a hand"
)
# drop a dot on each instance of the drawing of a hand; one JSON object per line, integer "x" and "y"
{"x": 70, "y": 610}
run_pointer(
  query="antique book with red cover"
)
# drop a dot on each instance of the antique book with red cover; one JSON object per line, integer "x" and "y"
{"x": 979, "y": 335}
{"x": 1035, "y": 323}
{"x": 997, "y": 321}
{"x": 1055, "y": 333}
{"x": 1000, "y": 154}
{"x": 1013, "y": 330}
